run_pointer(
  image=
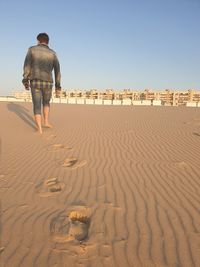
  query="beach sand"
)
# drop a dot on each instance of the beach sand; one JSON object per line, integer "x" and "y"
{"x": 108, "y": 186}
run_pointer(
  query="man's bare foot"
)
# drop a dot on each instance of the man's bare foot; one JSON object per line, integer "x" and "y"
{"x": 47, "y": 125}
{"x": 38, "y": 133}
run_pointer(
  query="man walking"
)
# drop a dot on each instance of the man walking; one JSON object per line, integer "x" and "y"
{"x": 39, "y": 63}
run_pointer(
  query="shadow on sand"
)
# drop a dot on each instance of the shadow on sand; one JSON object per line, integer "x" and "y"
{"x": 22, "y": 113}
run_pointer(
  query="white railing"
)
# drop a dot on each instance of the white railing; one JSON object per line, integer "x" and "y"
{"x": 86, "y": 101}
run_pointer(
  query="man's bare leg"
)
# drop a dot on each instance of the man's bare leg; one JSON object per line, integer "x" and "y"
{"x": 38, "y": 120}
{"x": 46, "y": 117}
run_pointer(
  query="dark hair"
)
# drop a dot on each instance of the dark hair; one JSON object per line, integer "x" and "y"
{"x": 43, "y": 38}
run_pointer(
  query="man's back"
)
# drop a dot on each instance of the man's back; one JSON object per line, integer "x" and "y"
{"x": 39, "y": 64}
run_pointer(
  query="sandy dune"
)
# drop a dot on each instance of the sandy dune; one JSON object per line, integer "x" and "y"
{"x": 108, "y": 186}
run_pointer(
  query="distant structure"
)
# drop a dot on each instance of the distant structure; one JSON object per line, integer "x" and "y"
{"x": 125, "y": 97}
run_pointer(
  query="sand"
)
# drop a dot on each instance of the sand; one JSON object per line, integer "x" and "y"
{"x": 108, "y": 186}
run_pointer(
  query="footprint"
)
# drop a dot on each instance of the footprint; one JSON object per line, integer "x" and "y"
{"x": 69, "y": 162}
{"x": 49, "y": 187}
{"x": 73, "y": 227}
{"x": 195, "y": 121}
{"x": 79, "y": 225}
{"x": 52, "y": 136}
{"x": 81, "y": 164}
{"x": 2, "y": 249}
{"x": 3, "y": 178}
{"x": 197, "y": 134}
{"x": 181, "y": 164}
{"x": 57, "y": 147}
{"x": 73, "y": 163}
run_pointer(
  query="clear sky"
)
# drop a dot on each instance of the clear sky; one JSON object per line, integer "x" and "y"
{"x": 101, "y": 44}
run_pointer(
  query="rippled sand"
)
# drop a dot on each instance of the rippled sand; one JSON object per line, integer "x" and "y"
{"x": 108, "y": 186}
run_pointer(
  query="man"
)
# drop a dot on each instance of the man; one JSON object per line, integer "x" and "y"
{"x": 39, "y": 63}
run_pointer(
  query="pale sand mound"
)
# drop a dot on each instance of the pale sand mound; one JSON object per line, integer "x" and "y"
{"x": 126, "y": 195}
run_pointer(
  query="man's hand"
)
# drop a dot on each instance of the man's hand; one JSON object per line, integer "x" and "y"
{"x": 58, "y": 93}
{"x": 26, "y": 86}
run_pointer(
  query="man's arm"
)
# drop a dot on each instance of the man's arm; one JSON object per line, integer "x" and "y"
{"x": 57, "y": 76}
{"x": 27, "y": 70}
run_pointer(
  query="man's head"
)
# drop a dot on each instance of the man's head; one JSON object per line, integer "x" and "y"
{"x": 43, "y": 38}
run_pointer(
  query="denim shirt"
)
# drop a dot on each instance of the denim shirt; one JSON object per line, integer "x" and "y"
{"x": 39, "y": 63}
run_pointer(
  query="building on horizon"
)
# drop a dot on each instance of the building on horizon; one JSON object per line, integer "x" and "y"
{"x": 165, "y": 97}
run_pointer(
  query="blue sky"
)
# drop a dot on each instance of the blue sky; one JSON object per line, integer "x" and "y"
{"x": 101, "y": 44}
